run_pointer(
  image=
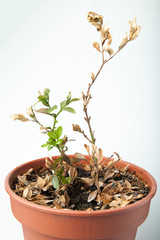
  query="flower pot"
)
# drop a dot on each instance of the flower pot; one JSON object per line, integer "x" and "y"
{"x": 44, "y": 223}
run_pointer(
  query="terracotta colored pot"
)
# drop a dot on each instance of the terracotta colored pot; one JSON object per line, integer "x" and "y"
{"x": 44, "y": 223}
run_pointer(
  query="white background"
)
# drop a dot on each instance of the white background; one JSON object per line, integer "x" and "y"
{"x": 49, "y": 44}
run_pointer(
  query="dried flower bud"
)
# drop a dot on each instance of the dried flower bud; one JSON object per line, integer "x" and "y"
{"x": 65, "y": 139}
{"x": 95, "y": 19}
{"x": 48, "y": 163}
{"x": 30, "y": 112}
{"x": 124, "y": 41}
{"x": 108, "y": 49}
{"x": 83, "y": 95}
{"x": 134, "y": 29}
{"x": 76, "y": 128}
{"x": 43, "y": 129}
{"x": 92, "y": 75}
{"x": 105, "y": 34}
{"x": 96, "y": 46}
{"x": 42, "y": 110}
{"x": 20, "y": 117}
{"x": 87, "y": 148}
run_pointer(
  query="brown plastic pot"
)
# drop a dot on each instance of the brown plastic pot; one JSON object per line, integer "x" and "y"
{"x": 44, "y": 223}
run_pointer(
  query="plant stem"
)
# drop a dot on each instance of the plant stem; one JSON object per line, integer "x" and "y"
{"x": 87, "y": 118}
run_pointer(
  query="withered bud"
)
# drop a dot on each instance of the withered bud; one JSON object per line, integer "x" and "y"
{"x": 96, "y": 46}
{"x": 108, "y": 49}
{"x": 43, "y": 129}
{"x": 124, "y": 41}
{"x": 65, "y": 139}
{"x": 76, "y": 128}
{"x": 83, "y": 95}
{"x": 48, "y": 163}
{"x": 20, "y": 117}
{"x": 134, "y": 29}
{"x": 92, "y": 75}
{"x": 95, "y": 19}
{"x": 30, "y": 112}
{"x": 42, "y": 110}
{"x": 105, "y": 34}
{"x": 87, "y": 148}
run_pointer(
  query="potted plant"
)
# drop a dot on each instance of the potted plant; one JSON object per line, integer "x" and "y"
{"x": 79, "y": 196}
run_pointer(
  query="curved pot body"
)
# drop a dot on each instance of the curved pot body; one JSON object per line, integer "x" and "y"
{"x": 44, "y": 223}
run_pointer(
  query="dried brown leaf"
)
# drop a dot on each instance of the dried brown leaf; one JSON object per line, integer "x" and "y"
{"x": 80, "y": 156}
{"x": 22, "y": 179}
{"x": 76, "y": 128}
{"x": 72, "y": 173}
{"x": 96, "y": 46}
{"x": 88, "y": 181}
{"x": 92, "y": 75}
{"x": 125, "y": 203}
{"x": 27, "y": 192}
{"x": 48, "y": 163}
{"x": 114, "y": 203}
{"x": 139, "y": 196}
{"x": 108, "y": 188}
{"x": 57, "y": 205}
{"x": 40, "y": 182}
{"x": 109, "y": 174}
{"x": 100, "y": 155}
{"x": 105, "y": 198}
{"x": 67, "y": 198}
{"x": 92, "y": 196}
{"x": 127, "y": 184}
{"x": 87, "y": 148}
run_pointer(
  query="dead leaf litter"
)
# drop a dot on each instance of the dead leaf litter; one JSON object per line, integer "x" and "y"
{"x": 119, "y": 188}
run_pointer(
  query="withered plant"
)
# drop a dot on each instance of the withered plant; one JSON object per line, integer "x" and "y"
{"x": 64, "y": 174}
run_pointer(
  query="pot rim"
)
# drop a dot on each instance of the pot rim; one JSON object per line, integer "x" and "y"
{"x": 22, "y": 201}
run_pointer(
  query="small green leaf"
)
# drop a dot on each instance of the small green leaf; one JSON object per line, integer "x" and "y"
{"x": 56, "y": 162}
{"x": 59, "y": 132}
{"x": 50, "y": 110}
{"x": 61, "y": 171}
{"x": 45, "y": 144}
{"x": 52, "y": 135}
{"x": 65, "y": 180}
{"x": 75, "y": 99}
{"x": 63, "y": 104}
{"x": 55, "y": 182}
{"x": 46, "y": 92}
{"x": 69, "y": 96}
{"x": 59, "y": 141}
{"x": 50, "y": 147}
{"x": 69, "y": 109}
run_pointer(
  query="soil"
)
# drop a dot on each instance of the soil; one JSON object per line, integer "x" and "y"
{"x": 117, "y": 188}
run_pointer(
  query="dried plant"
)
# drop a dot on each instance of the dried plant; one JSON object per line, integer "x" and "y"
{"x": 103, "y": 47}
{"x": 63, "y": 169}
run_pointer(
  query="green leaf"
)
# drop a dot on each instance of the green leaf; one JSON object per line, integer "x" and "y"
{"x": 55, "y": 182}
{"x": 65, "y": 180}
{"x": 63, "y": 104}
{"x": 44, "y": 100}
{"x": 59, "y": 132}
{"x": 46, "y": 92}
{"x": 52, "y": 135}
{"x": 69, "y": 96}
{"x": 69, "y": 109}
{"x": 56, "y": 162}
{"x": 50, "y": 110}
{"x": 45, "y": 144}
{"x": 59, "y": 141}
{"x": 61, "y": 171}
{"x": 50, "y": 147}
{"x": 75, "y": 99}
